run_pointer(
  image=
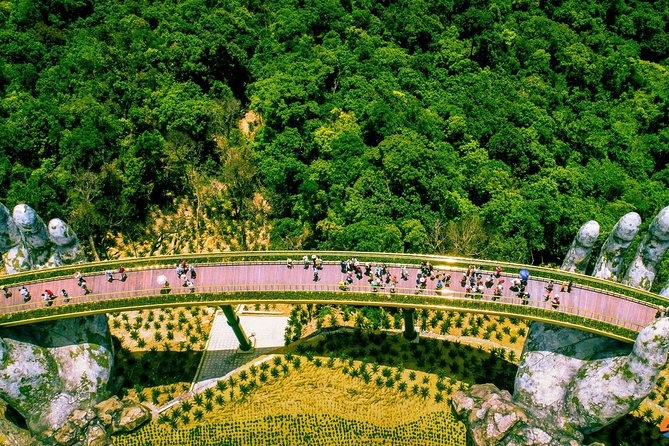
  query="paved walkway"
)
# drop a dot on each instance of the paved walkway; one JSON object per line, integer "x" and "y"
{"x": 236, "y": 278}
{"x": 222, "y": 355}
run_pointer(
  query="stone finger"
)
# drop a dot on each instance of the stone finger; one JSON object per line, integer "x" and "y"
{"x": 578, "y": 255}
{"x": 15, "y": 256}
{"x": 66, "y": 246}
{"x": 641, "y": 272}
{"x": 609, "y": 263}
{"x": 9, "y": 232}
{"x": 627, "y": 380}
{"x": 34, "y": 233}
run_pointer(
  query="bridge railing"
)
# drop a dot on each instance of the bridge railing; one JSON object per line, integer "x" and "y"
{"x": 577, "y": 317}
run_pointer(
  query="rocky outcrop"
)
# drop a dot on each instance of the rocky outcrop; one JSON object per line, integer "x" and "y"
{"x": 48, "y": 371}
{"x": 130, "y": 418}
{"x": 11, "y": 434}
{"x": 493, "y": 418}
{"x": 94, "y": 426}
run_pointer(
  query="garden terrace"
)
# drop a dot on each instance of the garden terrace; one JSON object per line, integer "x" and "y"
{"x": 594, "y": 305}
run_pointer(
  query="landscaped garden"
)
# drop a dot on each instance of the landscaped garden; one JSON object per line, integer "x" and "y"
{"x": 353, "y": 379}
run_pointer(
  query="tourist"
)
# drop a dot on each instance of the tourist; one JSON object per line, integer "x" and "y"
{"x": 82, "y": 284}
{"x": 180, "y": 270}
{"x": 305, "y": 259}
{"x": 166, "y": 288}
{"x": 447, "y": 281}
{"x": 65, "y": 295}
{"x": 555, "y": 302}
{"x": 289, "y": 263}
{"x": 498, "y": 272}
{"x": 25, "y": 293}
{"x": 490, "y": 282}
{"x": 191, "y": 271}
{"x": 569, "y": 286}
{"x": 78, "y": 276}
{"x": 316, "y": 278}
{"x": 547, "y": 296}
{"x": 496, "y": 294}
{"x": 440, "y": 284}
{"x": 123, "y": 274}
{"x": 190, "y": 286}
{"x": 110, "y": 275}
{"x": 549, "y": 287}
{"x": 343, "y": 286}
{"x": 405, "y": 273}
{"x": 48, "y": 296}
{"x": 349, "y": 277}
{"x": 343, "y": 265}
{"x": 6, "y": 292}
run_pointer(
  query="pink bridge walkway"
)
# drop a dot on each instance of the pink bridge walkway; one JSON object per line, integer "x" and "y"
{"x": 274, "y": 276}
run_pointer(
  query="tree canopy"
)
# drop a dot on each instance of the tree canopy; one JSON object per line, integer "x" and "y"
{"x": 491, "y": 128}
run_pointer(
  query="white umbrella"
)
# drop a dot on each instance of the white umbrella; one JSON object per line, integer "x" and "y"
{"x": 162, "y": 280}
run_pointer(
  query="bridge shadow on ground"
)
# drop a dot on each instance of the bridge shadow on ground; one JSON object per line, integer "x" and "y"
{"x": 458, "y": 361}
{"x": 154, "y": 368}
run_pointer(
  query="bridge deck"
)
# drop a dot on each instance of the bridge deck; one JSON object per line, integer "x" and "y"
{"x": 275, "y": 276}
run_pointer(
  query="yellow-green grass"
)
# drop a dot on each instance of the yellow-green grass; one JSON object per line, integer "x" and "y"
{"x": 316, "y": 406}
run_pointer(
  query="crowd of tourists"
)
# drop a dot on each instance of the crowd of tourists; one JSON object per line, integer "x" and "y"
{"x": 186, "y": 275}
{"x": 475, "y": 282}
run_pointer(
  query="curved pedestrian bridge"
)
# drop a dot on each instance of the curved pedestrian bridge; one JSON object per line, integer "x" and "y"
{"x": 593, "y": 305}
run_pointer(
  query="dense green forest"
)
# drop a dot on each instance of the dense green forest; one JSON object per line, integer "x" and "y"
{"x": 491, "y": 128}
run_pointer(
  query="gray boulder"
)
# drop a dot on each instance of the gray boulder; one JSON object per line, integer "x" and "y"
{"x": 58, "y": 367}
{"x": 493, "y": 418}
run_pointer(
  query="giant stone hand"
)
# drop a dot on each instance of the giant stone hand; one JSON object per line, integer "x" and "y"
{"x": 49, "y": 370}
{"x": 25, "y": 242}
{"x": 570, "y": 382}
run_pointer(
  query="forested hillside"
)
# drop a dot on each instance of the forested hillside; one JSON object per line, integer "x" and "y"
{"x": 470, "y": 127}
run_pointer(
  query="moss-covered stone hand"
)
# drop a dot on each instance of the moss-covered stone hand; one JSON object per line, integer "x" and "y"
{"x": 27, "y": 243}
{"x": 583, "y": 381}
{"x": 49, "y": 370}
{"x": 570, "y": 382}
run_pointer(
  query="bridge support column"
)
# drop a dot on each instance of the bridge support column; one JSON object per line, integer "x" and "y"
{"x": 233, "y": 322}
{"x": 409, "y": 329}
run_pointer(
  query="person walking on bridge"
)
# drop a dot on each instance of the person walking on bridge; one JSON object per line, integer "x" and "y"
{"x": 25, "y": 293}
